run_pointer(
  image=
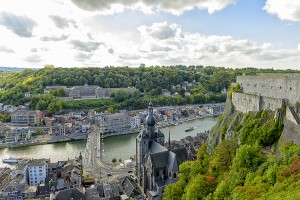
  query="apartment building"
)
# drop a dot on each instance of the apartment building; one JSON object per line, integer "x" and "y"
{"x": 24, "y": 118}
{"x": 135, "y": 122}
{"x": 115, "y": 122}
{"x": 17, "y": 134}
{"x": 37, "y": 171}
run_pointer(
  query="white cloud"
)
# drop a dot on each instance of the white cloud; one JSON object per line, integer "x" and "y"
{"x": 20, "y": 25}
{"x": 188, "y": 48}
{"x": 61, "y": 36}
{"x": 6, "y": 49}
{"x": 284, "y": 9}
{"x": 176, "y": 7}
{"x": 160, "y": 31}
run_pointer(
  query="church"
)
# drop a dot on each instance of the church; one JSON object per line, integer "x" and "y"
{"x": 156, "y": 165}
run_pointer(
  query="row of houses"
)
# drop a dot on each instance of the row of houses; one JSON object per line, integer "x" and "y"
{"x": 37, "y": 178}
{"x": 126, "y": 121}
{"x": 87, "y": 91}
{"x": 41, "y": 179}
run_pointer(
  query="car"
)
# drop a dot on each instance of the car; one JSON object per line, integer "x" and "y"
{"x": 129, "y": 171}
{"x": 108, "y": 174}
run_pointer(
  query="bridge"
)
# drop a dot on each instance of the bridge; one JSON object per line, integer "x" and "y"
{"x": 93, "y": 163}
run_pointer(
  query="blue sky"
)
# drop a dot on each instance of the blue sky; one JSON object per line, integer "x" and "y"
{"x": 229, "y": 33}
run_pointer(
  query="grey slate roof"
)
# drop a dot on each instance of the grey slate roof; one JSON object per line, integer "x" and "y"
{"x": 181, "y": 154}
{"x": 74, "y": 193}
{"x": 159, "y": 160}
{"x": 156, "y": 147}
{"x": 173, "y": 162}
{"x": 129, "y": 188}
{"x": 91, "y": 193}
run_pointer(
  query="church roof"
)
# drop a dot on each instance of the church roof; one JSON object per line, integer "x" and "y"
{"x": 181, "y": 154}
{"x": 159, "y": 160}
{"x": 156, "y": 147}
{"x": 172, "y": 162}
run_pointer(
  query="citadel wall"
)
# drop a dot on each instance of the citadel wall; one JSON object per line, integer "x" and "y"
{"x": 250, "y": 102}
{"x": 275, "y": 87}
{"x": 245, "y": 102}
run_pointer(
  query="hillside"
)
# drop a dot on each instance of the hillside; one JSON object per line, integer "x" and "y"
{"x": 242, "y": 160}
{"x": 205, "y": 85}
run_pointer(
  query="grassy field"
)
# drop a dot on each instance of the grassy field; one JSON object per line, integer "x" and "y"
{"x": 87, "y": 103}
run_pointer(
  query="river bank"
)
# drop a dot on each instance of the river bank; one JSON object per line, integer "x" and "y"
{"x": 61, "y": 140}
{"x": 105, "y": 135}
{"x": 122, "y": 146}
{"x": 164, "y": 125}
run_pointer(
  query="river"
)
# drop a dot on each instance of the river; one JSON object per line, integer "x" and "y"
{"x": 122, "y": 146}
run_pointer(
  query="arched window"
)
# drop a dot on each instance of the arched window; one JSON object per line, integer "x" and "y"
{"x": 174, "y": 175}
{"x": 170, "y": 174}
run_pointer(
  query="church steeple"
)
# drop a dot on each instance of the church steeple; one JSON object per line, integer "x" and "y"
{"x": 150, "y": 121}
{"x": 150, "y": 118}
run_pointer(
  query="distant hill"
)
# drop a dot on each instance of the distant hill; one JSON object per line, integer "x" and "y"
{"x": 15, "y": 69}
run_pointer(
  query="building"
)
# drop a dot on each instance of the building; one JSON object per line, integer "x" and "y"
{"x": 4, "y": 177}
{"x": 24, "y": 118}
{"x": 17, "y": 134}
{"x": 105, "y": 92}
{"x": 37, "y": 171}
{"x": 156, "y": 165}
{"x": 115, "y": 122}
{"x": 27, "y": 94}
{"x": 135, "y": 122}
{"x": 82, "y": 91}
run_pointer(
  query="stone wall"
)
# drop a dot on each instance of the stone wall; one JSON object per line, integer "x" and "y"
{"x": 245, "y": 102}
{"x": 275, "y": 87}
{"x": 270, "y": 103}
{"x": 249, "y": 102}
{"x": 291, "y": 132}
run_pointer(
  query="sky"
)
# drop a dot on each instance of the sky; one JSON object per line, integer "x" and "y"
{"x": 98, "y": 33}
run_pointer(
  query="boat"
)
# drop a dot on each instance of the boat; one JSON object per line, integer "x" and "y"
{"x": 12, "y": 160}
{"x": 189, "y": 129}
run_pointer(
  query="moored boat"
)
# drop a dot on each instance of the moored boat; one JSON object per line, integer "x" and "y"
{"x": 12, "y": 160}
{"x": 189, "y": 129}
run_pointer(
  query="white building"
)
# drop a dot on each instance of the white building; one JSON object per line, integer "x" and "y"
{"x": 37, "y": 171}
{"x": 135, "y": 122}
{"x": 17, "y": 134}
{"x": 115, "y": 122}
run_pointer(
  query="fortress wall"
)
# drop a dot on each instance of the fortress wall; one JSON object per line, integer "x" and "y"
{"x": 245, "y": 102}
{"x": 249, "y": 102}
{"x": 270, "y": 103}
{"x": 275, "y": 87}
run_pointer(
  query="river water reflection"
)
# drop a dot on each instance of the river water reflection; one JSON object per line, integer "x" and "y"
{"x": 122, "y": 146}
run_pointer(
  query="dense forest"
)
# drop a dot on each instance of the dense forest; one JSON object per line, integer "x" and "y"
{"x": 150, "y": 82}
{"x": 247, "y": 164}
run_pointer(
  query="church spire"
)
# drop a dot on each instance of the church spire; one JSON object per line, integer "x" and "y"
{"x": 150, "y": 118}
